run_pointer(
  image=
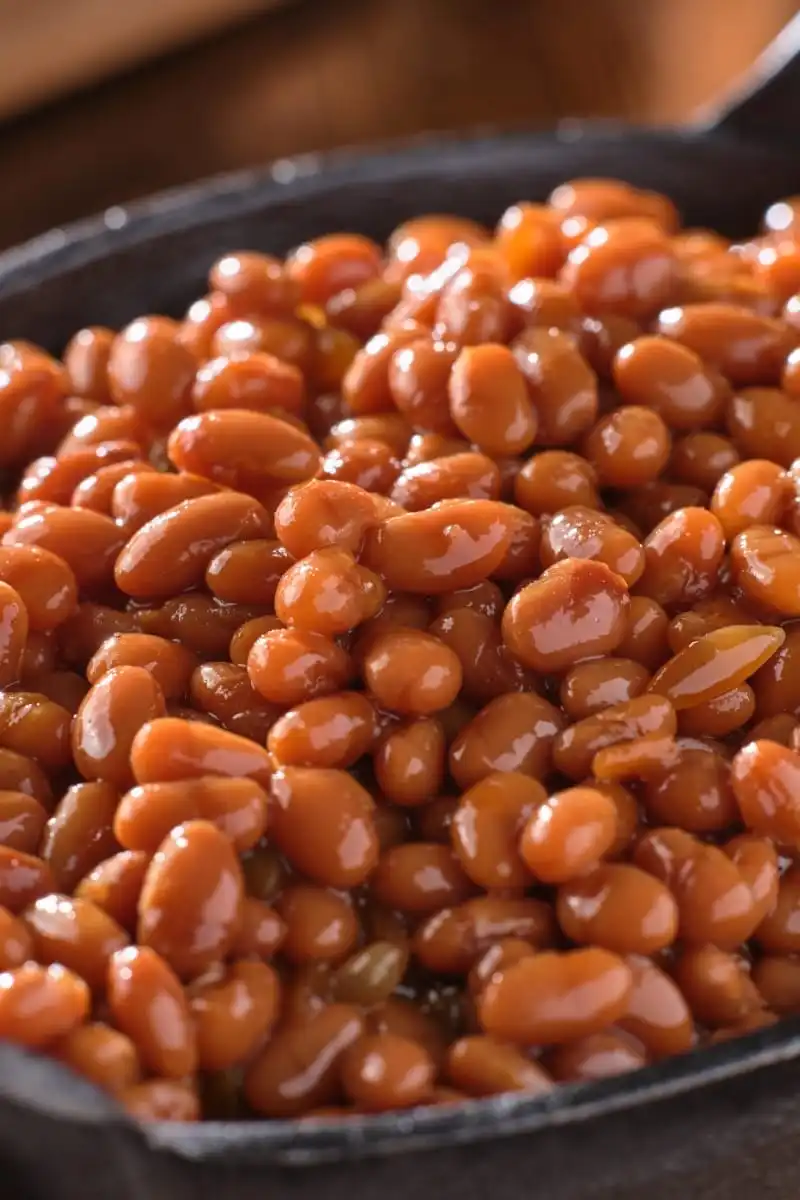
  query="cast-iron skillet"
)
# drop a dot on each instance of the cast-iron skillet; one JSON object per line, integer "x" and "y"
{"x": 721, "y": 1124}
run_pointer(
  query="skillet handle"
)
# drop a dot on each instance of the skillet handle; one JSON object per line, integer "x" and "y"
{"x": 765, "y": 104}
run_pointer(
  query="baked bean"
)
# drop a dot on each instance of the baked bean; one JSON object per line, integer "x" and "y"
{"x": 384, "y": 1071}
{"x": 328, "y": 592}
{"x": 54, "y": 480}
{"x": 420, "y": 879}
{"x": 764, "y": 424}
{"x": 716, "y": 985}
{"x": 190, "y": 903}
{"x": 114, "y": 710}
{"x": 288, "y": 666}
{"x": 485, "y": 1066}
{"x": 778, "y": 981}
{"x": 151, "y": 371}
{"x": 716, "y": 905}
{"x": 86, "y": 541}
{"x": 40, "y": 1004}
{"x": 237, "y": 807}
{"x": 489, "y": 401}
{"x": 779, "y": 931}
{"x": 79, "y": 835}
{"x": 148, "y": 1004}
{"x": 746, "y": 347}
{"x": 108, "y": 423}
{"x": 551, "y": 998}
{"x": 247, "y": 572}
{"x": 715, "y": 663}
{"x": 635, "y": 760}
{"x": 299, "y": 1069}
{"x": 323, "y": 821}
{"x": 717, "y": 612}
{"x": 657, "y": 1014}
{"x": 33, "y": 387}
{"x": 171, "y": 553}
{"x": 575, "y": 610}
{"x": 22, "y": 820}
{"x": 554, "y": 480}
{"x": 332, "y": 731}
{"x": 618, "y": 907}
{"x": 577, "y": 532}
{"x": 255, "y": 382}
{"x": 390, "y": 428}
{"x": 261, "y": 930}
{"x": 161, "y": 1100}
{"x": 412, "y": 672}
{"x": 420, "y": 244}
{"x": 703, "y": 459}
{"x": 409, "y": 762}
{"x": 514, "y": 732}
{"x": 778, "y": 728}
{"x": 75, "y": 933}
{"x": 755, "y": 492}
{"x": 454, "y": 544}
{"x": 96, "y": 491}
{"x": 168, "y": 663}
{"x": 562, "y": 386}
{"x": 499, "y": 956}
{"x": 590, "y": 687}
{"x": 651, "y": 503}
{"x": 460, "y": 476}
{"x": 370, "y": 975}
{"x": 721, "y": 715}
{"x": 290, "y": 339}
{"x": 576, "y": 746}
{"x": 140, "y": 497}
{"x": 669, "y": 378}
{"x": 115, "y": 884}
{"x": 451, "y": 941}
{"x": 369, "y": 465}
{"x": 32, "y": 725}
{"x": 628, "y": 447}
{"x": 224, "y": 692}
{"x": 568, "y": 834}
{"x": 626, "y": 267}
{"x": 683, "y": 555}
{"x": 44, "y": 584}
{"x": 320, "y": 924}
{"x": 598, "y": 1056}
{"x": 16, "y": 941}
{"x": 763, "y": 777}
{"x": 418, "y": 376}
{"x": 199, "y": 622}
{"x": 253, "y": 283}
{"x": 243, "y": 449}
{"x": 247, "y": 635}
{"x": 102, "y": 1055}
{"x": 694, "y": 792}
{"x": 600, "y": 199}
{"x": 86, "y": 362}
{"x": 232, "y": 1018}
{"x": 486, "y": 828}
{"x": 173, "y": 749}
{"x": 324, "y": 514}
{"x": 765, "y": 563}
{"x": 645, "y": 638}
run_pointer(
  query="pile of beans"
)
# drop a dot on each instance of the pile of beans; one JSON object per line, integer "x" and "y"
{"x": 400, "y": 666}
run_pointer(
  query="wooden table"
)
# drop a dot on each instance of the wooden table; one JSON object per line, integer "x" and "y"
{"x": 320, "y": 73}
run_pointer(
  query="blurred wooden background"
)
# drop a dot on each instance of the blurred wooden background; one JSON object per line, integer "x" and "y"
{"x": 312, "y": 74}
